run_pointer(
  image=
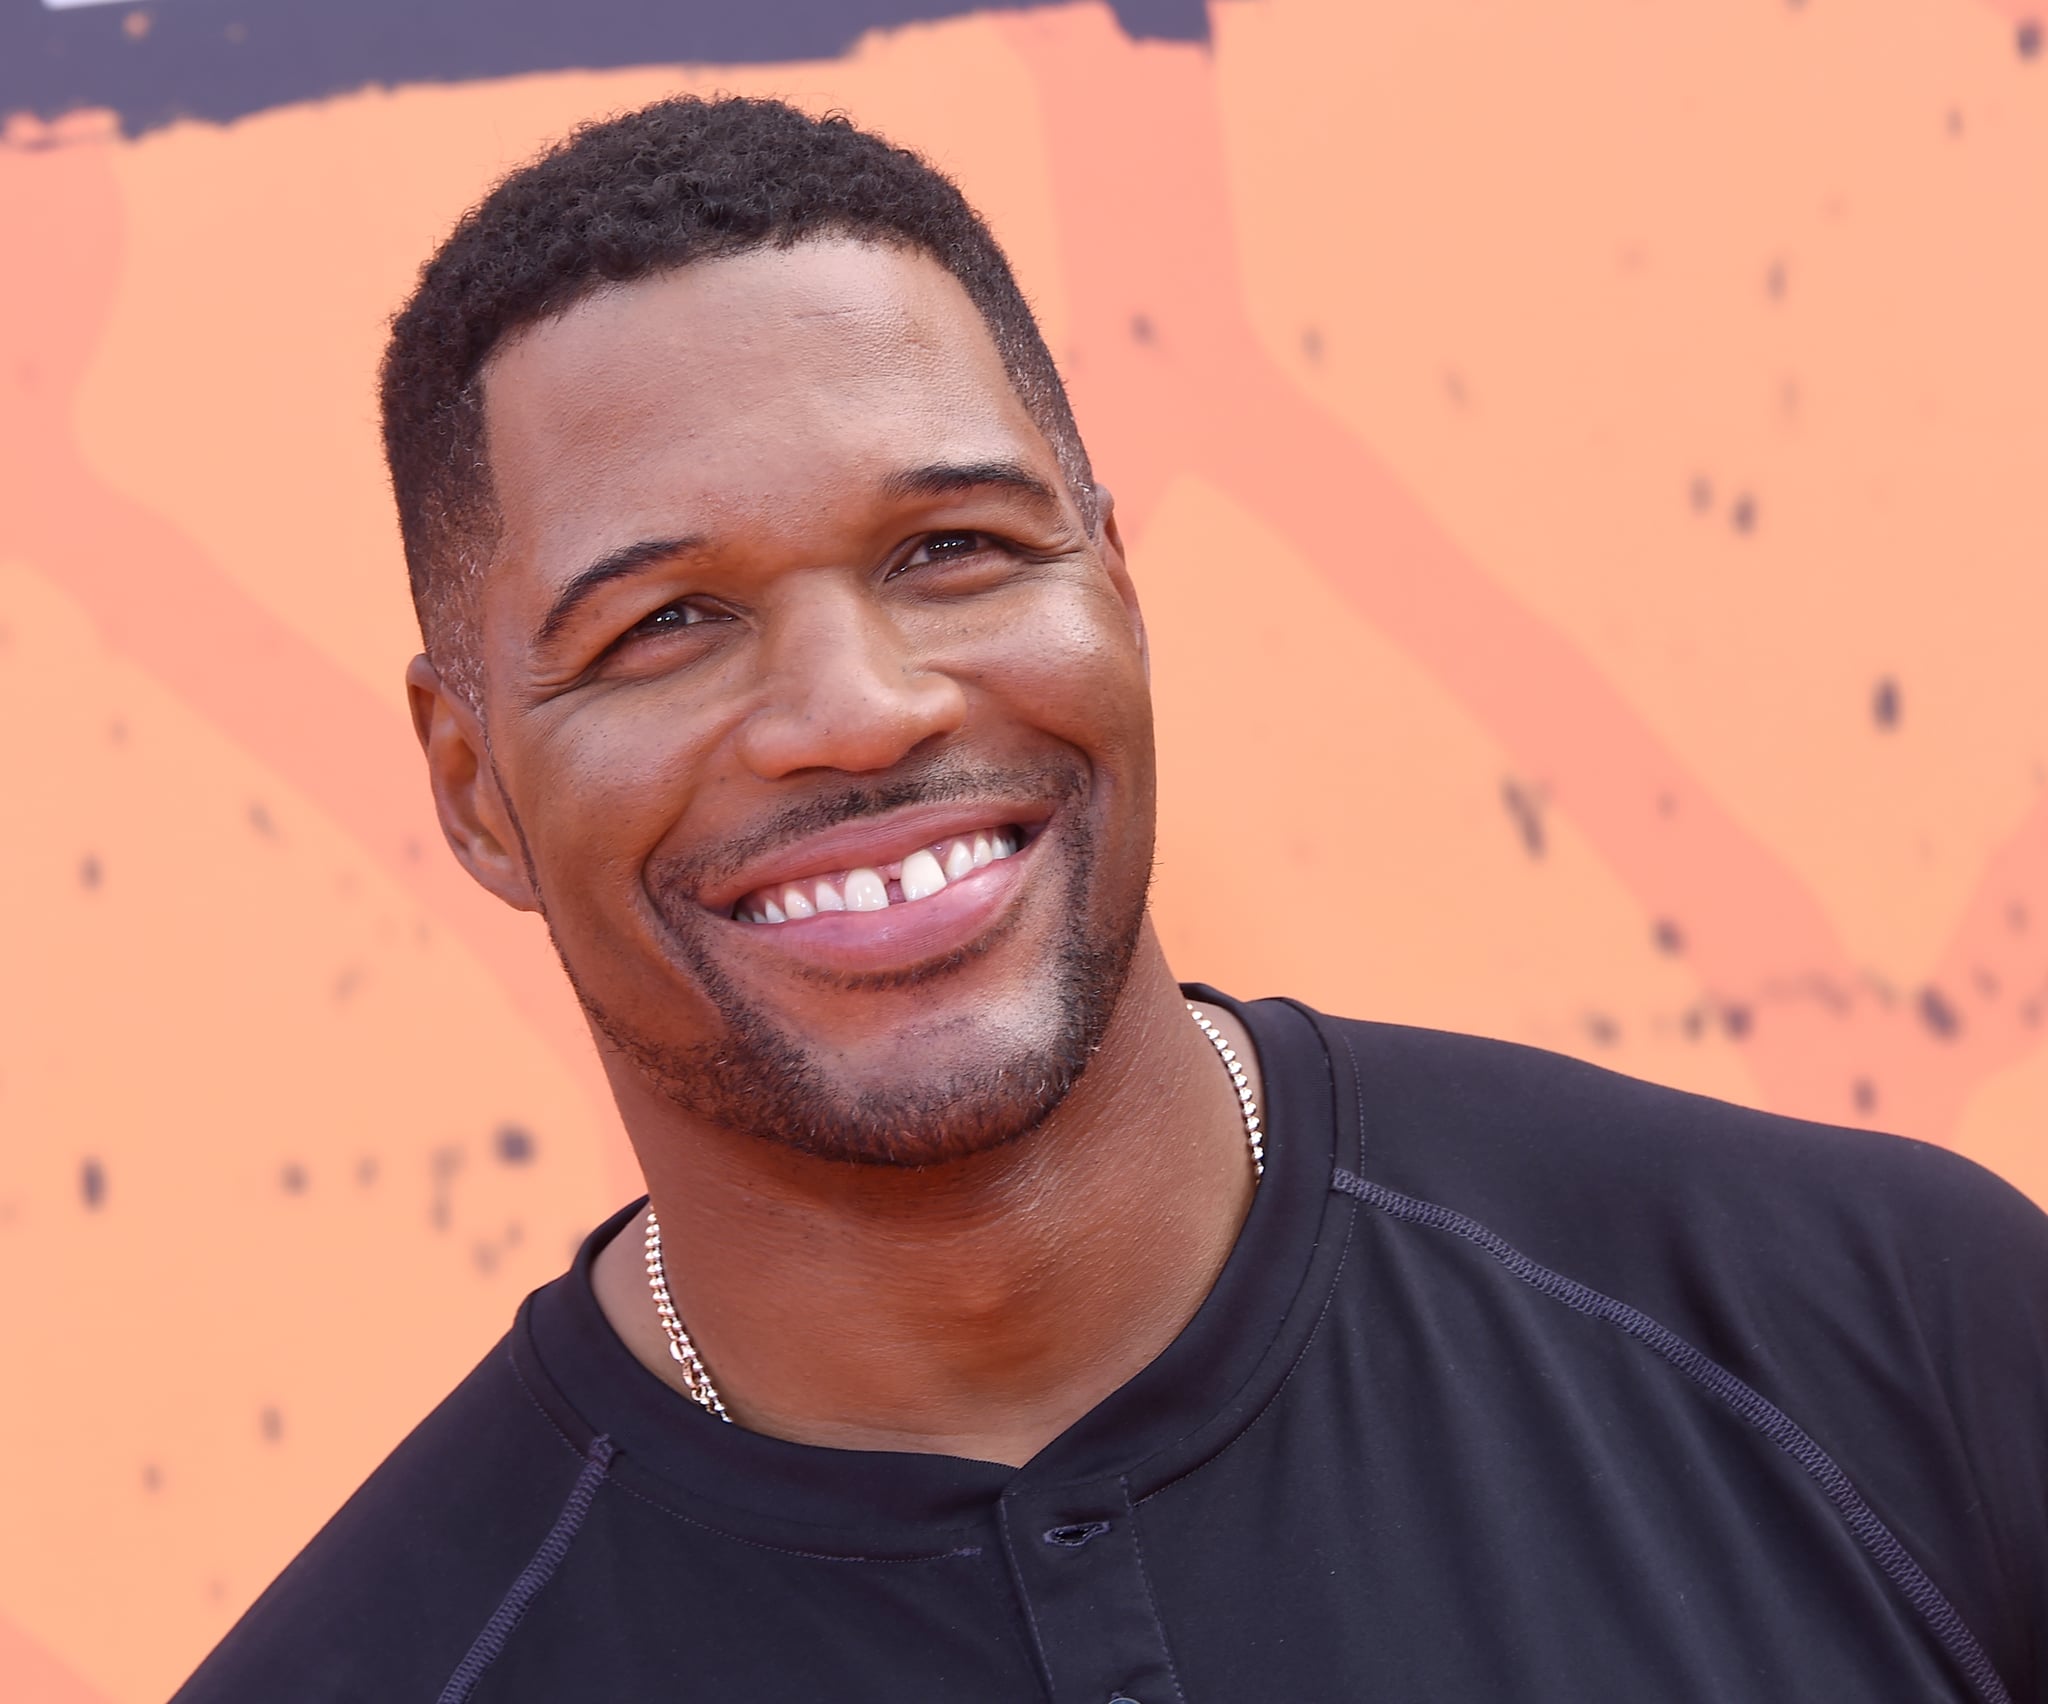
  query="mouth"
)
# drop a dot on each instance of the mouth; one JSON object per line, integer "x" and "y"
{"x": 918, "y": 874}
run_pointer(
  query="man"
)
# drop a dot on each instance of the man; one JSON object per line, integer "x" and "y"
{"x": 1006, "y": 1321}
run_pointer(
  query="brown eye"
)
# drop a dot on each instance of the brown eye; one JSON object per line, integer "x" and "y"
{"x": 672, "y": 617}
{"x": 948, "y": 547}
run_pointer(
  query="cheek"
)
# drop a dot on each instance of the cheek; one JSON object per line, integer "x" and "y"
{"x": 605, "y": 789}
{"x": 1073, "y": 667}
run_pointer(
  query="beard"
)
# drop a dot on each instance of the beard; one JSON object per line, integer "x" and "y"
{"x": 759, "y": 1077}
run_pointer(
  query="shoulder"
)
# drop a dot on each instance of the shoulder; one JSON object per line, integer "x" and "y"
{"x": 1553, "y": 1152}
{"x": 1841, "y": 1272}
{"x": 388, "y": 1596}
{"x": 1889, "y": 1296}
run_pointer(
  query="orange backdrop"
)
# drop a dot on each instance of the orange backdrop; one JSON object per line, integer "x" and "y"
{"x": 1584, "y": 466}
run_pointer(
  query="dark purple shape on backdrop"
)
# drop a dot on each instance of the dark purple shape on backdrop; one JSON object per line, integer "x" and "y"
{"x": 223, "y": 59}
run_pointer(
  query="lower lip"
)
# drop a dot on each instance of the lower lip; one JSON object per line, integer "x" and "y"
{"x": 911, "y": 933}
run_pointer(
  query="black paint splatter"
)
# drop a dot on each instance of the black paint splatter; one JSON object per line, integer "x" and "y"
{"x": 1736, "y": 1019}
{"x": 92, "y": 1184}
{"x": 1937, "y": 1014}
{"x": 2027, "y": 38}
{"x": 443, "y": 1164}
{"x": 1667, "y": 935}
{"x": 1525, "y": 806}
{"x": 1602, "y": 1030}
{"x": 1884, "y": 703}
{"x": 515, "y": 1145}
{"x": 1743, "y": 515}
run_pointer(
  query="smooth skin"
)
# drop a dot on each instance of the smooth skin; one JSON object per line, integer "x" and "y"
{"x": 805, "y": 609}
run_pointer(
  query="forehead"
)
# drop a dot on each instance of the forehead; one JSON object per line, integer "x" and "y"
{"x": 728, "y": 390}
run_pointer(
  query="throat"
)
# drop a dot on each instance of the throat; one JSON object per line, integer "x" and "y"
{"x": 976, "y": 1308}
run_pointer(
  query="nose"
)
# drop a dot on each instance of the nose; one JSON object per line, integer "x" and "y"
{"x": 843, "y": 689}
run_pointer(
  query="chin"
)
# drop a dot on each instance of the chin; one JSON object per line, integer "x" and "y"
{"x": 923, "y": 1097}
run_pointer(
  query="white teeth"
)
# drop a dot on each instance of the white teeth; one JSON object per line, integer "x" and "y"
{"x": 866, "y": 891}
{"x": 922, "y": 876}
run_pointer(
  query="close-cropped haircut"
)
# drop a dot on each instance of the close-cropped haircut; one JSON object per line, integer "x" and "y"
{"x": 625, "y": 199}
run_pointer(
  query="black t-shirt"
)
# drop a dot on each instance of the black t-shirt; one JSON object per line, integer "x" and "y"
{"x": 1525, "y": 1381}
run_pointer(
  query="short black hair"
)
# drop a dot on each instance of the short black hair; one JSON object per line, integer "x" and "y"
{"x": 624, "y": 199}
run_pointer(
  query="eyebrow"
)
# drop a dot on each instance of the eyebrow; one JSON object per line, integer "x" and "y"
{"x": 950, "y": 479}
{"x": 935, "y": 479}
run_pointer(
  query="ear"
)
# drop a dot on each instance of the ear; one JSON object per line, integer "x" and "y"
{"x": 1111, "y": 543}
{"x": 474, "y": 814}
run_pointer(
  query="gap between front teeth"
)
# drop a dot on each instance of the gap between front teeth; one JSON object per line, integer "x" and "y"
{"x": 928, "y": 870}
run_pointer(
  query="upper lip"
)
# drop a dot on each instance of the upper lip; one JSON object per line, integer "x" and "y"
{"x": 869, "y": 841}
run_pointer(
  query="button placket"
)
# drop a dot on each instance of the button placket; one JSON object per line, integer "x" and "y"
{"x": 1078, "y": 1565}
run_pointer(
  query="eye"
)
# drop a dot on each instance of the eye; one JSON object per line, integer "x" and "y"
{"x": 945, "y": 547}
{"x": 672, "y": 618}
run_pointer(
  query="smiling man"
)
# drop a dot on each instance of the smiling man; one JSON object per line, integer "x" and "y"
{"x": 1007, "y": 1321}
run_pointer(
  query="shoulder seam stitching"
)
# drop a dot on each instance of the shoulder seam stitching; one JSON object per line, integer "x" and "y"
{"x": 489, "y": 1644}
{"x": 1892, "y": 1558}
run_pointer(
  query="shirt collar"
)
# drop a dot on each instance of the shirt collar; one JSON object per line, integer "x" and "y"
{"x": 1207, "y": 1385}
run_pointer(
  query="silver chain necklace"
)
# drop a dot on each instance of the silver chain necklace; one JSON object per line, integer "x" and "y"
{"x": 697, "y": 1381}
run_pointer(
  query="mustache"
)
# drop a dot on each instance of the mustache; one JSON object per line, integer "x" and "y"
{"x": 939, "y": 781}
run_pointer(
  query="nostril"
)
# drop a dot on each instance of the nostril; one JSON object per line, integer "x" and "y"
{"x": 1075, "y": 1534}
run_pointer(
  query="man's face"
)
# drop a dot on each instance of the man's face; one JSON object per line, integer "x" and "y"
{"x": 794, "y": 618}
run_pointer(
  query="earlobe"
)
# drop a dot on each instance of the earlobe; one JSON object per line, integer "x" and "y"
{"x": 474, "y": 813}
{"x": 1110, "y": 542}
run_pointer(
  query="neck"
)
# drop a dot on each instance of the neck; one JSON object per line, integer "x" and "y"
{"x": 977, "y": 1308}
